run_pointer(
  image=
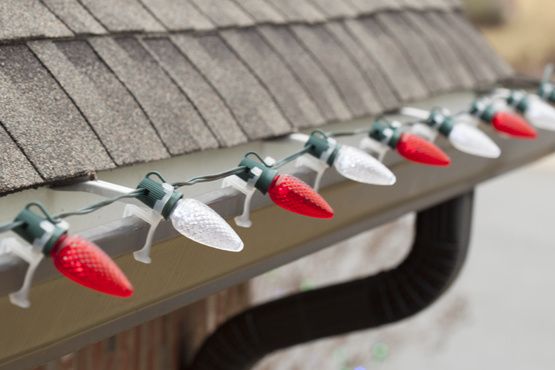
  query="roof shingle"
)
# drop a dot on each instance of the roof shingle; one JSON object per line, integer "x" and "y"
{"x": 160, "y": 78}
{"x": 224, "y": 13}
{"x": 252, "y": 105}
{"x": 16, "y": 172}
{"x": 387, "y": 55}
{"x": 178, "y": 15}
{"x": 75, "y": 16}
{"x": 116, "y": 117}
{"x": 415, "y": 50}
{"x": 467, "y": 55}
{"x": 459, "y": 74}
{"x": 217, "y": 115}
{"x": 23, "y": 19}
{"x": 357, "y": 94}
{"x": 374, "y": 76}
{"x": 123, "y": 15}
{"x": 372, "y": 6}
{"x": 335, "y": 9}
{"x": 174, "y": 117}
{"x": 275, "y": 76}
{"x": 43, "y": 120}
{"x": 298, "y": 11}
{"x": 261, "y": 11}
{"x": 309, "y": 73}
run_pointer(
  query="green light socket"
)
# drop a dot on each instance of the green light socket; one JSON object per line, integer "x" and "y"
{"x": 518, "y": 100}
{"x": 32, "y": 229}
{"x": 155, "y": 192}
{"x": 378, "y": 133}
{"x": 444, "y": 124}
{"x": 266, "y": 178}
{"x": 318, "y": 145}
{"x": 485, "y": 114}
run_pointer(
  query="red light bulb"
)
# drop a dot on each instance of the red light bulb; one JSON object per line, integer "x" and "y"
{"x": 86, "y": 264}
{"x": 513, "y": 125}
{"x": 294, "y": 195}
{"x": 416, "y": 149}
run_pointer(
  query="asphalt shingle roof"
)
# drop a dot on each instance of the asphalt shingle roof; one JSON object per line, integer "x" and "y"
{"x": 103, "y": 100}
{"x": 308, "y": 71}
{"x": 89, "y": 85}
{"x": 265, "y": 64}
{"x": 44, "y": 121}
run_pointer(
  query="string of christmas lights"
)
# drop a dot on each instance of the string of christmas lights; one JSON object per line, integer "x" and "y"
{"x": 512, "y": 113}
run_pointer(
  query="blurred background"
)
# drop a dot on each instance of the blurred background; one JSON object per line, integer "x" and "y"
{"x": 521, "y": 30}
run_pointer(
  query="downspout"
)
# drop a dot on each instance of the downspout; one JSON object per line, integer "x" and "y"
{"x": 437, "y": 255}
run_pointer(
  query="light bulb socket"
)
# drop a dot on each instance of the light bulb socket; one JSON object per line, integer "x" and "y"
{"x": 159, "y": 196}
{"x": 322, "y": 148}
{"x": 38, "y": 230}
{"x": 546, "y": 91}
{"x": 442, "y": 123}
{"x": 385, "y": 133}
{"x": 518, "y": 100}
{"x": 263, "y": 174}
{"x": 485, "y": 112}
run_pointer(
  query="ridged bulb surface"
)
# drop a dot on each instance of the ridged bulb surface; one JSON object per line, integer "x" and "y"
{"x": 86, "y": 264}
{"x": 540, "y": 113}
{"x": 200, "y": 223}
{"x": 359, "y": 166}
{"x": 512, "y": 125}
{"x": 471, "y": 140}
{"x": 419, "y": 150}
{"x": 292, "y": 194}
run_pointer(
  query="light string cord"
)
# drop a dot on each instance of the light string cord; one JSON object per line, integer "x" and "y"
{"x": 218, "y": 176}
{"x": 210, "y": 178}
{"x": 290, "y": 158}
{"x": 96, "y": 206}
{"x": 138, "y": 192}
{"x": 349, "y": 133}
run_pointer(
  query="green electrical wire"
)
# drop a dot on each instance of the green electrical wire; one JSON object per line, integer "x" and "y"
{"x": 195, "y": 180}
{"x": 96, "y": 206}
{"x": 209, "y": 178}
{"x": 290, "y": 158}
{"x": 349, "y": 133}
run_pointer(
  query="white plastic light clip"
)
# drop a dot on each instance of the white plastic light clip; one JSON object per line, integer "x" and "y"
{"x": 153, "y": 217}
{"x": 424, "y": 131}
{"x": 317, "y": 165}
{"x": 379, "y": 148}
{"x": 374, "y": 147}
{"x": 33, "y": 255}
{"x": 419, "y": 128}
{"x": 248, "y": 188}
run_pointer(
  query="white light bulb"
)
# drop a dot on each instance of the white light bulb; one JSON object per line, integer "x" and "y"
{"x": 202, "y": 224}
{"x": 540, "y": 113}
{"x": 359, "y": 166}
{"x": 471, "y": 140}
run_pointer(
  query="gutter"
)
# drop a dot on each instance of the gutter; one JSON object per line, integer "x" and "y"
{"x": 438, "y": 253}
